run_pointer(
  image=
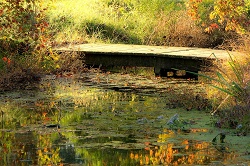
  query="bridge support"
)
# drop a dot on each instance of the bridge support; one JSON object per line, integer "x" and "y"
{"x": 163, "y": 66}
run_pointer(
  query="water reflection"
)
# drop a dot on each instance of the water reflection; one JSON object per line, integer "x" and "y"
{"x": 69, "y": 122}
{"x": 186, "y": 152}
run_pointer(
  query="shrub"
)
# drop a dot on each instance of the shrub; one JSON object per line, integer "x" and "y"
{"x": 226, "y": 20}
{"x": 178, "y": 29}
{"x": 24, "y": 40}
{"x": 227, "y": 15}
{"x": 23, "y": 26}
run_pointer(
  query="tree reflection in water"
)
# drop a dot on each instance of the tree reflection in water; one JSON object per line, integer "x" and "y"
{"x": 99, "y": 126}
{"x": 187, "y": 152}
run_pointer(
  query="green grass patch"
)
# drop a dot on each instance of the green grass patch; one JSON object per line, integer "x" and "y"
{"x": 110, "y": 21}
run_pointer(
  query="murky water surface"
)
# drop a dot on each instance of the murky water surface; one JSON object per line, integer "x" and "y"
{"x": 113, "y": 119}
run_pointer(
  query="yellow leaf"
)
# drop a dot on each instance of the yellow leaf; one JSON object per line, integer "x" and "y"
{"x": 212, "y": 15}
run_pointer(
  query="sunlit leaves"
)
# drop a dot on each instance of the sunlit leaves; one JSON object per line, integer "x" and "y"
{"x": 24, "y": 21}
{"x": 193, "y": 6}
{"x": 212, "y": 27}
{"x": 232, "y": 15}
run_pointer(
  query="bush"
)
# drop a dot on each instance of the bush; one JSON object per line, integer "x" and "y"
{"x": 224, "y": 19}
{"x": 178, "y": 29}
{"x": 24, "y": 40}
{"x": 23, "y": 26}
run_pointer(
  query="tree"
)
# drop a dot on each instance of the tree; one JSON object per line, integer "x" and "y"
{"x": 228, "y": 15}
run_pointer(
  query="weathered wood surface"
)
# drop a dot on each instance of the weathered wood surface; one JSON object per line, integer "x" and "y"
{"x": 159, "y": 57}
{"x": 162, "y": 51}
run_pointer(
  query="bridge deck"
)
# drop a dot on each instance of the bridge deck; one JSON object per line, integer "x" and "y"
{"x": 162, "y": 51}
{"x": 159, "y": 57}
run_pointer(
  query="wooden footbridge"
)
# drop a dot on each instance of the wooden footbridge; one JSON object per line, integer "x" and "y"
{"x": 162, "y": 58}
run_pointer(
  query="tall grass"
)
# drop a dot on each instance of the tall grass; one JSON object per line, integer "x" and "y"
{"x": 113, "y": 21}
{"x": 150, "y": 22}
{"x": 231, "y": 91}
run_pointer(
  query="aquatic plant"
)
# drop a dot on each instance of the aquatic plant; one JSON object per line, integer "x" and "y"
{"x": 235, "y": 83}
{"x": 233, "y": 80}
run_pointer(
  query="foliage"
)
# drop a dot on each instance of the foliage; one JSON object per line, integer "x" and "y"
{"x": 235, "y": 86}
{"x": 25, "y": 39}
{"x": 228, "y": 15}
{"x": 233, "y": 14}
{"x": 23, "y": 26}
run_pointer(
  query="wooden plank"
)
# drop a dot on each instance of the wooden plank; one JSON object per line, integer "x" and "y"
{"x": 161, "y": 51}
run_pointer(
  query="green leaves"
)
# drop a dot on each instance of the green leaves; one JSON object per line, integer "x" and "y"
{"x": 232, "y": 83}
{"x": 23, "y": 20}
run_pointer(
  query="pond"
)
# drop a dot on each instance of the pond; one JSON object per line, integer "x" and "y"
{"x": 114, "y": 119}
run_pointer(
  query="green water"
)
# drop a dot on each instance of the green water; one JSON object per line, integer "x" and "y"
{"x": 113, "y": 119}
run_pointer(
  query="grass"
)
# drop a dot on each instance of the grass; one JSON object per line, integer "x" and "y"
{"x": 109, "y": 21}
{"x": 230, "y": 92}
{"x": 155, "y": 22}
